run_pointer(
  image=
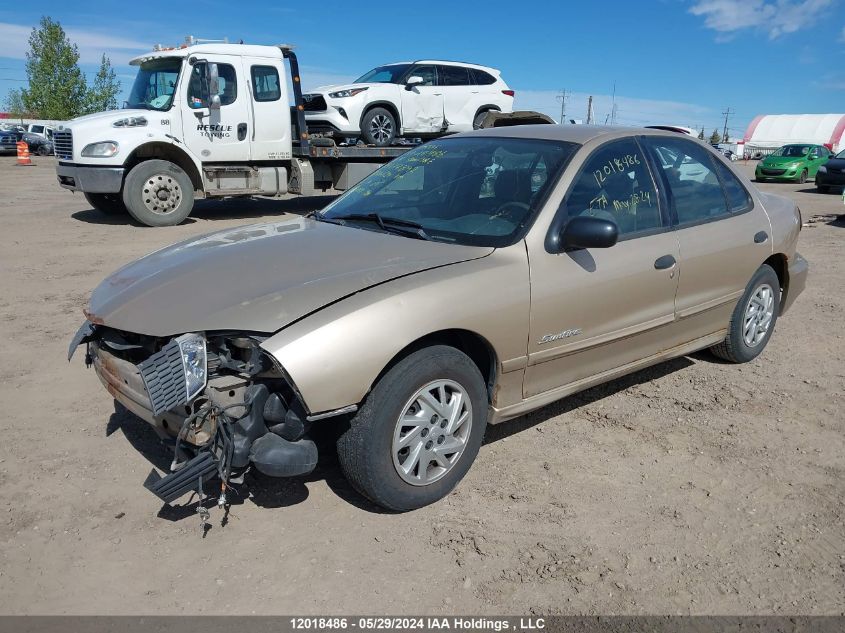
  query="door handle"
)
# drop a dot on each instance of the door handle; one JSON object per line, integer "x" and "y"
{"x": 664, "y": 262}
{"x": 241, "y": 131}
{"x": 761, "y": 237}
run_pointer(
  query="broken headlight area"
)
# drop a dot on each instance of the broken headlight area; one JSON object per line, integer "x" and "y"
{"x": 223, "y": 402}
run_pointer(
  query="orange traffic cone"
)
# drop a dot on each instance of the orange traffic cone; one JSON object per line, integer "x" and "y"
{"x": 23, "y": 154}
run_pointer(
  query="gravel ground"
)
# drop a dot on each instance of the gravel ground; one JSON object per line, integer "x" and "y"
{"x": 691, "y": 487}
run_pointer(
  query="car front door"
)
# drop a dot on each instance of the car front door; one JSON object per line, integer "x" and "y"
{"x": 723, "y": 236}
{"x": 221, "y": 134}
{"x": 593, "y": 310}
{"x": 816, "y": 158}
{"x": 422, "y": 104}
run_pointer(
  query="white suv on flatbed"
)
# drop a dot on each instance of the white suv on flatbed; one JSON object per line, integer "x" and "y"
{"x": 425, "y": 98}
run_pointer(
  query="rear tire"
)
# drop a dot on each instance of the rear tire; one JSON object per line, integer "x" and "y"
{"x": 158, "y": 193}
{"x": 753, "y": 319}
{"x": 398, "y": 451}
{"x": 108, "y": 203}
{"x": 378, "y": 127}
{"x": 479, "y": 119}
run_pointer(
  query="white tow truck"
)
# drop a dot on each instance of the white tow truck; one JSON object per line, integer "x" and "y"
{"x": 204, "y": 120}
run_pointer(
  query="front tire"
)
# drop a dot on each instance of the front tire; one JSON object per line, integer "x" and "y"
{"x": 802, "y": 177}
{"x": 753, "y": 319}
{"x": 378, "y": 127}
{"x": 158, "y": 193}
{"x": 418, "y": 431}
{"x": 821, "y": 188}
{"x": 108, "y": 203}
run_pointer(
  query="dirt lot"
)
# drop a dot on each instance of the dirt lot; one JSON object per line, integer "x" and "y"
{"x": 692, "y": 487}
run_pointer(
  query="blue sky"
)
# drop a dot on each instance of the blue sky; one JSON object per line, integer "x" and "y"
{"x": 672, "y": 61}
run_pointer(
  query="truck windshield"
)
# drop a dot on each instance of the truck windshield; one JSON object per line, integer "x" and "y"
{"x": 481, "y": 191}
{"x": 155, "y": 84}
{"x": 391, "y": 74}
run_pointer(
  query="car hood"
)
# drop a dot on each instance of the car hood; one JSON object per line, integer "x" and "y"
{"x": 259, "y": 278}
{"x": 836, "y": 163}
{"x": 338, "y": 87}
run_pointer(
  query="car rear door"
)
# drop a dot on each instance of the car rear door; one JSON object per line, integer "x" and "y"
{"x": 723, "y": 236}
{"x": 460, "y": 98}
{"x": 593, "y": 310}
{"x": 217, "y": 135}
{"x": 422, "y": 105}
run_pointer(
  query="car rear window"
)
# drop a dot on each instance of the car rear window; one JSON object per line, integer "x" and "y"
{"x": 265, "y": 82}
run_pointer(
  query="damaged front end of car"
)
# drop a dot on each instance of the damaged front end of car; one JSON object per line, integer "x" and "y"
{"x": 222, "y": 401}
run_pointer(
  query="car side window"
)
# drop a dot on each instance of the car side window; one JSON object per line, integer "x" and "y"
{"x": 615, "y": 184}
{"x": 428, "y": 74}
{"x": 452, "y": 76}
{"x": 198, "y": 96}
{"x": 689, "y": 172}
{"x": 265, "y": 82}
{"x": 739, "y": 200}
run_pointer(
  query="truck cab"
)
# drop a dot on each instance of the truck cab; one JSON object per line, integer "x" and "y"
{"x": 203, "y": 120}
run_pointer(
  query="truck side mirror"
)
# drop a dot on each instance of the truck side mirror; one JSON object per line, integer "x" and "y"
{"x": 213, "y": 86}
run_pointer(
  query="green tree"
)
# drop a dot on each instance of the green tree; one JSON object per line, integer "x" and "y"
{"x": 14, "y": 105}
{"x": 102, "y": 95}
{"x": 701, "y": 134}
{"x": 715, "y": 137}
{"x": 56, "y": 87}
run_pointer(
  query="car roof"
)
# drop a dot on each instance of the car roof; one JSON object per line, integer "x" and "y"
{"x": 572, "y": 133}
{"x": 442, "y": 61}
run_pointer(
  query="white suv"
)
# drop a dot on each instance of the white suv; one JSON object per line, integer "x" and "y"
{"x": 425, "y": 98}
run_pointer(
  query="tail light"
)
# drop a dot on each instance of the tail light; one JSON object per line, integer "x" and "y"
{"x": 510, "y": 93}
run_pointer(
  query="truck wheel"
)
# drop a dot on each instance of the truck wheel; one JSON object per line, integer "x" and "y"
{"x": 753, "y": 319}
{"x": 418, "y": 431}
{"x": 378, "y": 127}
{"x": 108, "y": 203}
{"x": 158, "y": 193}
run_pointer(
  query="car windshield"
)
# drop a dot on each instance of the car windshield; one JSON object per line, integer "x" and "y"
{"x": 384, "y": 74}
{"x": 839, "y": 155}
{"x": 479, "y": 191}
{"x": 794, "y": 151}
{"x": 155, "y": 84}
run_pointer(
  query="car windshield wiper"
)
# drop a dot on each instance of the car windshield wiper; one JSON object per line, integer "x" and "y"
{"x": 386, "y": 223}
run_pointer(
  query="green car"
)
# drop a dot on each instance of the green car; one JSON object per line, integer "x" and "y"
{"x": 797, "y": 162}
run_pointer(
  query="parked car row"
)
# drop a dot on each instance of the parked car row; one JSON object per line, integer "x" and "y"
{"x": 39, "y": 139}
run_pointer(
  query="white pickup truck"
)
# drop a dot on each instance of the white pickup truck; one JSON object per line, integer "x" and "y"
{"x": 205, "y": 120}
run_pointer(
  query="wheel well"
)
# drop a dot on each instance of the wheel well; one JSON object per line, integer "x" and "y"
{"x": 779, "y": 265}
{"x": 166, "y": 151}
{"x": 487, "y": 108}
{"x": 473, "y": 345}
{"x": 387, "y": 106}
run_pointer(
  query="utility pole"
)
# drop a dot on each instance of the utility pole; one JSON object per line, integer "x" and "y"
{"x": 590, "y": 110}
{"x": 562, "y": 96}
{"x": 613, "y": 109}
{"x": 727, "y": 114}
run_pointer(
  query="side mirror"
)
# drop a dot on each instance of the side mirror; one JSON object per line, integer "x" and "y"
{"x": 585, "y": 231}
{"x": 213, "y": 79}
{"x": 415, "y": 80}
